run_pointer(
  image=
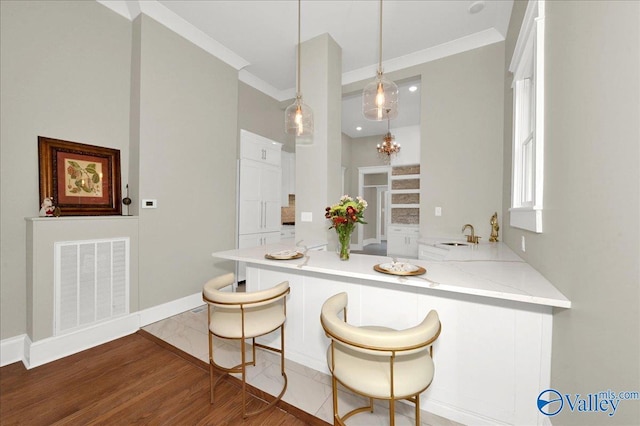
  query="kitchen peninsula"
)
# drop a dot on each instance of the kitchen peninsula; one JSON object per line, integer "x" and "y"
{"x": 493, "y": 355}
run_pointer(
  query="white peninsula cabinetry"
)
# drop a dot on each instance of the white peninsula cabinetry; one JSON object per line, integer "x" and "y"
{"x": 493, "y": 357}
{"x": 260, "y": 192}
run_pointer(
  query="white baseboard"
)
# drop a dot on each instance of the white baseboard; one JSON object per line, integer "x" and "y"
{"x": 370, "y": 241}
{"x": 12, "y": 349}
{"x": 56, "y": 347}
{"x": 34, "y": 354}
{"x": 169, "y": 309}
{"x": 458, "y": 415}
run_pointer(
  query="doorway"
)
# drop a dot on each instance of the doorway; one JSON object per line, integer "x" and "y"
{"x": 373, "y": 185}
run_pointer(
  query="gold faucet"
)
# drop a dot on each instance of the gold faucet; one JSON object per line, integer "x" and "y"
{"x": 471, "y": 238}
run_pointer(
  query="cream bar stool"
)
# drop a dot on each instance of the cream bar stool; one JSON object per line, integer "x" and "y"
{"x": 378, "y": 362}
{"x": 241, "y": 316}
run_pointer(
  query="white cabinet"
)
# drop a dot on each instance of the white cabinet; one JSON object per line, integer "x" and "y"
{"x": 253, "y": 240}
{"x": 259, "y": 148}
{"x": 402, "y": 241}
{"x": 259, "y": 202}
{"x": 259, "y": 197}
{"x": 288, "y": 232}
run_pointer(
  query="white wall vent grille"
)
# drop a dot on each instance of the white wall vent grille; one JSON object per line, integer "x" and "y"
{"x": 91, "y": 282}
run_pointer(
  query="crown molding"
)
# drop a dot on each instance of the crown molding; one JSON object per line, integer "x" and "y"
{"x": 261, "y": 85}
{"x": 463, "y": 44}
{"x": 155, "y": 10}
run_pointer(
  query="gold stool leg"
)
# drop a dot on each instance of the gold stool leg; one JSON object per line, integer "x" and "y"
{"x": 392, "y": 412}
{"x": 244, "y": 377}
{"x": 211, "y": 386}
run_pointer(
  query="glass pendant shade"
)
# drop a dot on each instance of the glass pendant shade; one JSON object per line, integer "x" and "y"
{"x": 298, "y": 121}
{"x": 380, "y": 99}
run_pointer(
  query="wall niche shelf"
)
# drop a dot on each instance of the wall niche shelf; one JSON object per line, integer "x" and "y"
{"x": 405, "y": 195}
{"x": 404, "y": 203}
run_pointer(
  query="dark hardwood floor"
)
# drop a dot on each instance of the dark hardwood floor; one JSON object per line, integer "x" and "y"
{"x": 137, "y": 379}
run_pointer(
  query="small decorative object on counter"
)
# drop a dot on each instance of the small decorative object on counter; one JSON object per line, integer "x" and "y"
{"x": 126, "y": 201}
{"x": 47, "y": 209}
{"x": 494, "y": 228}
{"x": 343, "y": 217}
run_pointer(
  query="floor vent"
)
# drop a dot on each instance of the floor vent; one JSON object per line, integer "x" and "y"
{"x": 91, "y": 282}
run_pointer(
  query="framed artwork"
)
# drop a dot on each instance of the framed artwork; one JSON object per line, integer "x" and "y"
{"x": 84, "y": 180}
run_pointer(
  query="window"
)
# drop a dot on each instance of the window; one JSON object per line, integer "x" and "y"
{"x": 527, "y": 66}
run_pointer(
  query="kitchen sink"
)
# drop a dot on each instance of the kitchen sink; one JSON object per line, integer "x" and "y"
{"x": 454, "y": 244}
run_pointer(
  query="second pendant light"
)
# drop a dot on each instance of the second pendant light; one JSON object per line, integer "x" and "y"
{"x": 380, "y": 97}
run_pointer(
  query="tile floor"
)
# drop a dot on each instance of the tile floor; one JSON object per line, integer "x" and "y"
{"x": 308, "y": 389}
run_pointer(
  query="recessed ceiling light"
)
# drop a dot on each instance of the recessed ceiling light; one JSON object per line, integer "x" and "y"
{"x": 358, "y": 128}
{"x": 476, "y": 7}
{"x": 413, "y": 88}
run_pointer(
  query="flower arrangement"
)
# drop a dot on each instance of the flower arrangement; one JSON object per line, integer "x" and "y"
{"x": 343, "y": 217}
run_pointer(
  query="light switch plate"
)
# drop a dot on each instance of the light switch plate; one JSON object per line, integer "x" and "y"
{"x": 306, "y": 217}
{"x": 438, "y": 211}
{"x": 149, "y": 204}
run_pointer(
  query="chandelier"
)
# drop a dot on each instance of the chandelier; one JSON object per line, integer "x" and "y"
{"x": 380, "y": 96}
{"x": 298, "y": 117}
{"x": 389, "y": 146}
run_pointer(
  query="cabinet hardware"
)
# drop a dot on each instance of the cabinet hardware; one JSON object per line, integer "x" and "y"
{"x": 261, "y": 208}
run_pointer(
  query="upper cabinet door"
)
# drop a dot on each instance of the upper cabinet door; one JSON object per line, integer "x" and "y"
{"x": 258, "y": 148}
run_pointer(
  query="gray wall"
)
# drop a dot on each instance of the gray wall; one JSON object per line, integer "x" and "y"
{"x": 461, "y": 134}
{"x": 590, "y": 246}
{"x": 263, "y": 115}
{"x": 64, "y": 73}
{"x": 187, "y": 150}
{"x": 77, "y": 71}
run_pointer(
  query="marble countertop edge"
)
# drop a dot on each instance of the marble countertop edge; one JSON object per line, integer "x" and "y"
{"x": 502, "y": 280}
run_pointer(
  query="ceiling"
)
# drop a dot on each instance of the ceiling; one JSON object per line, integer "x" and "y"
{"x": 260, "y": 36}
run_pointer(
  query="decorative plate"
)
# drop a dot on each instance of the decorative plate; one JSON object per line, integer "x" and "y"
{"x": 284, "y": 255}
{"x": 399, "y": 268}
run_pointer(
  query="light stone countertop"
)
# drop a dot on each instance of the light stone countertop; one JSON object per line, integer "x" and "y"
{"x": 468, "y": 252}
{"x": 488, "y": 269}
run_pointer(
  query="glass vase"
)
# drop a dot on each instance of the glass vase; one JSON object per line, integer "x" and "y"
{"x": 345, "y": 241}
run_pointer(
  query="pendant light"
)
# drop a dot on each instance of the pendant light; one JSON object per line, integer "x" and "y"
{"x": 380, "y": 97}
{"x": 298, "y": 117}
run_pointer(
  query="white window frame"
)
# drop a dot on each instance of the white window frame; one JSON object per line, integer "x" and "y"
{"x": 527, "y": 66}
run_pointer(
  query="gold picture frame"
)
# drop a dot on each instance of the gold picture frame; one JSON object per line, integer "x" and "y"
{"x": 83, "y": 180}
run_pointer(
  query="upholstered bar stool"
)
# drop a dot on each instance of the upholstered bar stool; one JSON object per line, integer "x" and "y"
{"x": 241, "y": 316}
{"x": 378, "y": 362}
